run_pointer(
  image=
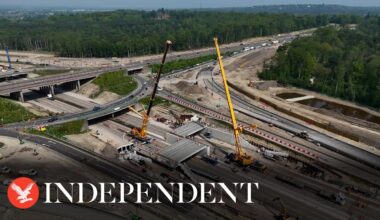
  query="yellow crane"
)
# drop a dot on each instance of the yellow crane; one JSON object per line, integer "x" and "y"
{"x": 239, "y": 156}
{"x": 141, "y": 133}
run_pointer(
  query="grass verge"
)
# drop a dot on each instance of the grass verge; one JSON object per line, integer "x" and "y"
{"x": 157, "y": 101}
{"x": 48, "y": 72}
{"x": 11, "y": 112}
{"x": 116, "y": 82}
{"x": 61, "y": 130}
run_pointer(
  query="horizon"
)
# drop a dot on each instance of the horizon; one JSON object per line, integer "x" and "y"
{"x": 173, "y": 4}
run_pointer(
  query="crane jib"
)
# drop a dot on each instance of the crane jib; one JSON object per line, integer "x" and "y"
{"x": 167, "y": 46}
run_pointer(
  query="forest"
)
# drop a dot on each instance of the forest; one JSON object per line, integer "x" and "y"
{"x": 340, "y": 62}
{"x": 308, "y": 9}
{"x": 127, "y": 33}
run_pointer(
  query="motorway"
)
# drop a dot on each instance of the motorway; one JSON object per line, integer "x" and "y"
{"x": 295, "y": 128}
{"x": 256, "y": 112}
{"x": 360, "y": 163}
{"x": 270, "y": 188}
{"x": 15, "y": 86}
{"x": 332, "y": 159}
{"x": 299, "y": 202}
{"x": 121, "y": 173}
{"x": 108, "y": 109}
{"x": 239, "y": 101}
{"x": 21, "y": 85}
{"x": 61, "y": 211}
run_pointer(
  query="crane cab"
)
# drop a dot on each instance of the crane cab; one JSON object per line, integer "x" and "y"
{"x": 246, "y": 160}
{"x": 243, "y": 160}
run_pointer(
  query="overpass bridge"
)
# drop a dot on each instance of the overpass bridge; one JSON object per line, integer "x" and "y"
{"x": 18, "y": 87}
{"x": 109, "y": 109}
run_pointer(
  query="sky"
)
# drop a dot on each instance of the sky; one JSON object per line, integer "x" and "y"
{"x": 153, "y": 4}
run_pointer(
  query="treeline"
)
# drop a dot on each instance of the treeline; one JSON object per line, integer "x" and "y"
{"x": 304, "y": 9}
{"x": 130, "y": 33}
{"x": 341, "y": 62}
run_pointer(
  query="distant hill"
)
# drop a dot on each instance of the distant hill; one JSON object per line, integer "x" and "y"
{"x": 306, "y": 9}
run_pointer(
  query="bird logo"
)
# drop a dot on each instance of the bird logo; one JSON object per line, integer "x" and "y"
{"x": 23, "y": 193}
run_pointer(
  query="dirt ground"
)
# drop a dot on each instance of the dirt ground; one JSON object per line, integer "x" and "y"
{"x": 241, "y": 71}
{"x": 246, "y": 67}
{"x": 26, "y": 156}
{"x": 48, "y": 164}
{"x": 91, "y": 142}
{"x": 91, "y": 90}
{"x": 243, "y": 68}
{"x": 359, "y": 122}
{"x": 16, "y": 66}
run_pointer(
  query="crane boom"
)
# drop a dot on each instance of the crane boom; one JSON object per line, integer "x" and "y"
{"x": 167, "y": 46}
{"x": 8, "y": 57}
{"x": 141, "y": 133}
{"x": 229, "y": 101}
{"x": 240, "y": 156}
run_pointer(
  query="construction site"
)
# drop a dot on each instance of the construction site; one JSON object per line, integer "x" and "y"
{"x": 215, "y": 121}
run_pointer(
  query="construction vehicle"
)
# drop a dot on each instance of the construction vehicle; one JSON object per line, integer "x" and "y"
{"x": 284, "y": 212}
{"x": 257, "y": 165}
{"x": 141, "y": 133}
{"x": 8, "y": 57}
{"x": 239, "y": 156}
{"x": 211, "y": 159}
{"x": 303, "y": 134}
{"x": 338, "y": 198}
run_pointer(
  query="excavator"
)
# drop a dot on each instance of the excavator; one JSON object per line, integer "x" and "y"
{"x": 141, "y": 133}
{"x": 239, "y": 156}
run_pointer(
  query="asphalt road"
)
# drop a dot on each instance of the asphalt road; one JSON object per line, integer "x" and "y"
{"x": 299, "y": 202}
{"x": 115, "y": 170}
{"x": 293, "y": 127}
{"x": 108, "y": 109}
{"x": 119, "y": 104}
{"x": 20, "y": 85}
{"x": 63, "y": 210}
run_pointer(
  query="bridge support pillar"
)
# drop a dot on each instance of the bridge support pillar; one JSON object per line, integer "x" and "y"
{"x": 21, "y": 96}
{"x": 51, "y": 90}
{"x": 77, "y": 85}
{"x": 17, "y": 95}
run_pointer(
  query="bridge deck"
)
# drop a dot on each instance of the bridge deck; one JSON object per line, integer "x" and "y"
{"x": 183, "y": 150}
{"x": 297, "y": 99}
